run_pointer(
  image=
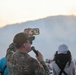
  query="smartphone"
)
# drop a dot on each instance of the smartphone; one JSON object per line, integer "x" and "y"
{"x": 35, "y": 31}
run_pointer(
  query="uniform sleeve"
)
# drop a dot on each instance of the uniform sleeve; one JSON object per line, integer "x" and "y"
{"x": 40, "y": 68}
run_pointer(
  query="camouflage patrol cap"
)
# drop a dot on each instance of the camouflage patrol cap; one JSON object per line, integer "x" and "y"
{"x": 20, "y": 38}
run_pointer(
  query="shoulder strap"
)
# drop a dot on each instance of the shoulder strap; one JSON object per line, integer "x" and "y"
{"x": 62, "y": 69}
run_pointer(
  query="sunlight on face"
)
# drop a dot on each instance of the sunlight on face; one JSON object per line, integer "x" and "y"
{"x": 13, "y": 11}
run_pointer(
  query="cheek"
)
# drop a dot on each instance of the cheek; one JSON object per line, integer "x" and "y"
{"x": 29, "y": 45}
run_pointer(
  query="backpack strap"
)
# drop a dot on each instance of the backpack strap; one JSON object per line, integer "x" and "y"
{"x": 62, "y": 69}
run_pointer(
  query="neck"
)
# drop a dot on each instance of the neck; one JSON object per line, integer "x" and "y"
{"x": 22, "y": 50}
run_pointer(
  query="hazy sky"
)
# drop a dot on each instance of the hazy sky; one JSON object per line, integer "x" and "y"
{"x": 16, "y": 11}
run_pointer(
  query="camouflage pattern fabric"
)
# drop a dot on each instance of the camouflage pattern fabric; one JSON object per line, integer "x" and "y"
{"x": 11, "y": 50}
{"x": 23, "y": 64}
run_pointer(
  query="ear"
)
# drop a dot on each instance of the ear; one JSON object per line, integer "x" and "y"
{"x": 24, "y": 45}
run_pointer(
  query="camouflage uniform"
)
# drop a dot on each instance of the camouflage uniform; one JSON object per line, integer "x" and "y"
{"x": 11, "y": 50}
{"x": 22, "y": 64}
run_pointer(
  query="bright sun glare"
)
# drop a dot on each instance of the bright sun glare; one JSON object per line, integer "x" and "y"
{"x": 15, "y": 11}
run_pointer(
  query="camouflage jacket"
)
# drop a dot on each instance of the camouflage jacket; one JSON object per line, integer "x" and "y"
{"x": 23, "y": 64}
{"x": 11, "y": 50}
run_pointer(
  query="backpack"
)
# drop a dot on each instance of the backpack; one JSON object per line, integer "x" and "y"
{"x": 2, "y": 73}
{"x": 62, "y": 68}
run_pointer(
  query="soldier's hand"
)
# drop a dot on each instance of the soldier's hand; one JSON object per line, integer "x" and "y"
{"x": 39, "y": 57}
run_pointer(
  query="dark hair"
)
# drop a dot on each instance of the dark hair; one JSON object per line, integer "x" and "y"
{"x": 63, "y": 58}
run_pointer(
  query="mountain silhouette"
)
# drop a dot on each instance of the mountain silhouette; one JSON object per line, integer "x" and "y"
{"x": 54, "y": 30}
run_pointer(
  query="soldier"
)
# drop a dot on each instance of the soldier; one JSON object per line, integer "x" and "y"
{"x": 12, "y": 48}
{"x": 21, "y": 63}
